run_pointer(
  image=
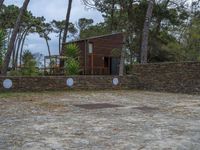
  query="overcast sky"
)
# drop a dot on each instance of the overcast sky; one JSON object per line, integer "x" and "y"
{"x": 53, "y": 9}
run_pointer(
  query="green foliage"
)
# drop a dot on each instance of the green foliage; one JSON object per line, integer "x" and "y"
{"x": 72, "y": 66}
{"x": 29, "y": 66}
{"x": 94, "y": 30}
{"x": 84, "y": 23}
{"x": 72, "y": 50}
{"x": 168, "y": 23}
{"x": 193, "y": 39}
{"x": 16, "y": 73}
{"x": 174, "y": 30}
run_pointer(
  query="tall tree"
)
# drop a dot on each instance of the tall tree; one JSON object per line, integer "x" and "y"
{"x": 122, "y": 59}
{"x": 83, "y": 24}
{"x": 66, "y": 24}
{"x": 13, "y": 38}
{"x": 1, "y": 3}
{"x": 59, "y": 26}
{"x": 145, "y": 36}
{"x": 44, "y": 32}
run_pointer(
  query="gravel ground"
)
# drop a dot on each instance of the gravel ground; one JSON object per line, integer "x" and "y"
{"x": 140, "y": 120}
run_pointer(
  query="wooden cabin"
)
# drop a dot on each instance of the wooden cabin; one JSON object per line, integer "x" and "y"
{"x": 100, "y": 55}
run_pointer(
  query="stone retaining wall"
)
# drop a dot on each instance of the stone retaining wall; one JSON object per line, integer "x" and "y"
{"x": 170, "y": 77}
{"x": 60, "y": 83}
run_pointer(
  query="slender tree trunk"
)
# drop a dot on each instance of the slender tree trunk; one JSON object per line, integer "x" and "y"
{"x": 13, "y": 55}
{"x": 49, "y": 51}
{"x": 66, "y": 24}
{"x": 48, "y": 47}
{"x": 112, "y": 15}
{"x": 9, "y": 36}
{"x": 145, "y": 36}
{"x": 15, "y": 50}
{"x": 60, "y": 37}
{"x": 22, "y": 46}
{"x": 18, "y": 48}
{"x": 159, "y": 19}
{"x": 122, "y": 59}
{"x": 13, "y": 37}
{"x": 1, "y": 3}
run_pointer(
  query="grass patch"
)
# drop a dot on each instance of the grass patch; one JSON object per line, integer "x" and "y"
{"x": 13, "y": 94}
{"x": 8, "y": 94}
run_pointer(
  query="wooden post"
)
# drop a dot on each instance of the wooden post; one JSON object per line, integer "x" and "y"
{"x": 92, "y": 63}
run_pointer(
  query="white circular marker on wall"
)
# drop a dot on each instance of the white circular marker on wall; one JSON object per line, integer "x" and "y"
{"x": 115, "y": 81}
{"x": 70, "y": 82}
{"x": 7, "y": 83}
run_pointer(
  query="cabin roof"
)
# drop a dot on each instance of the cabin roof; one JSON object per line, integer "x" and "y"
{"x": 95, "y": 37}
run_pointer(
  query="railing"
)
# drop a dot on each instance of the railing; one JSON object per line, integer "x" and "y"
{"x": 97, "y": 71}
{"x": 56, "y": 71}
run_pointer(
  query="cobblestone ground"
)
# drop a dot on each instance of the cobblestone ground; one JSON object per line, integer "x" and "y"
{"x": 147, "y": 120}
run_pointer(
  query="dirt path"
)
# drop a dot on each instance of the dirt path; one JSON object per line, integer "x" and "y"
{"x": 124, "y": 120}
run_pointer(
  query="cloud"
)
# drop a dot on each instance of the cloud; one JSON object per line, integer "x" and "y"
{"x": 53, "y": 10}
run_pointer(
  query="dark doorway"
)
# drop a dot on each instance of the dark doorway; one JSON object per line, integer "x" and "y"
{"x": 114, "y": 66}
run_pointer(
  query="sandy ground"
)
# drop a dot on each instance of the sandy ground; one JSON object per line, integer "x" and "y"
{"x": 143, "y": 120}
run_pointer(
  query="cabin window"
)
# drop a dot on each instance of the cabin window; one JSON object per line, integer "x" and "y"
{"x": 90, "y": 48}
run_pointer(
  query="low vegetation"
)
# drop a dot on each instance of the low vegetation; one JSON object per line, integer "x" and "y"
{"x": 29, "y": 66}
{"x": 72, "y": 64}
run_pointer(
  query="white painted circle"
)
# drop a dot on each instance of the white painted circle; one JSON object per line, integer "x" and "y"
{"x": 7, "y": 83}
{"x": 70, "y": 82}
{"x": 115, "y": 81}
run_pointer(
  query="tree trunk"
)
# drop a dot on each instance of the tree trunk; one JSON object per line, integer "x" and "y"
{"x": 159, "y": 19}
{"x": 9, "y": 36}
{"x": 22, "y": 46}
{"x": 13, "y": 55}
{"x": 60, "y": 37}
{"x": 122, "y": 59}
{"x": 18, "y": 48}
{"x": 48, "y": 47}
{"x": 145, "y": 36}
{"x": 1, "y": 3}
{"x": 13, "y": 37}
{"x": 15, "y": 50}
{"x": 66, "y": 25}
{"x": 112, "y": 15}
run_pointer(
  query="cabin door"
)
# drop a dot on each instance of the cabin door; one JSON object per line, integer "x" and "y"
{"x": 114, "y": 66}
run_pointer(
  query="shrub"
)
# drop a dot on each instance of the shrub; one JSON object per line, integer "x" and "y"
{"x": 72, "y": 50}
{"x": 29, "y": 65}
{"x": 72, "y": 66}
{"x": 15, "y": 73}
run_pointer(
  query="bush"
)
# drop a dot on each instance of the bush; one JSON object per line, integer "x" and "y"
{"x": 72, "y": 66}
{"x": 72, "y": 50}
{"x": 15, "y": 73}
{"x": 29, "y": 66}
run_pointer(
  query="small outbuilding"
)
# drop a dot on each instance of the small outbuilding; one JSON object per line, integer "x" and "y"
{"x": 100, "y": 55}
